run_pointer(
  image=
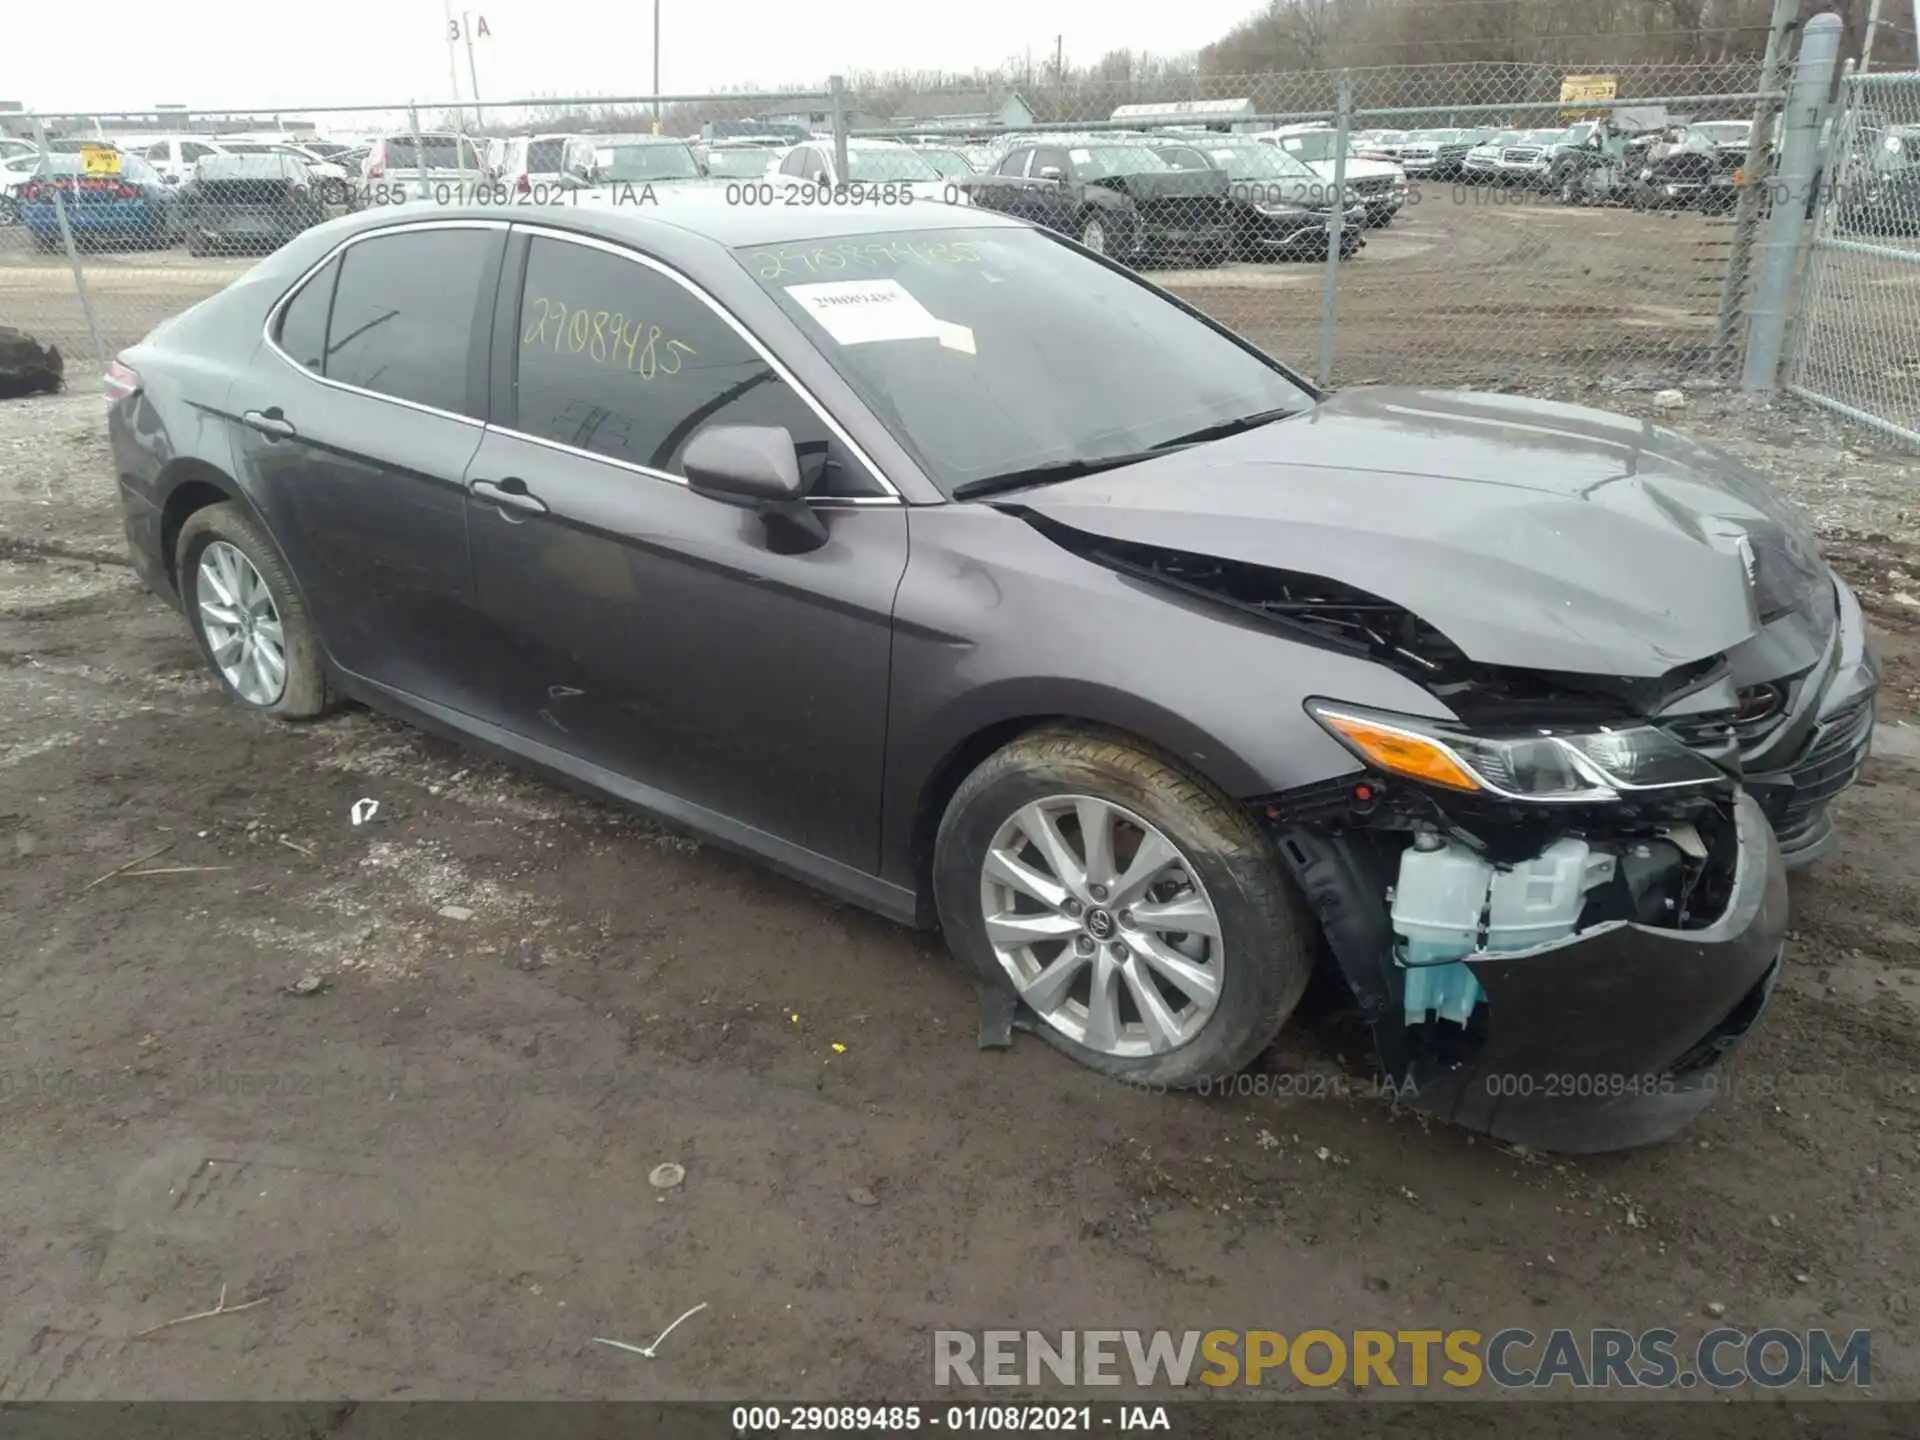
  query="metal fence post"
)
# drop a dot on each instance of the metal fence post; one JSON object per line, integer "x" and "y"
{"x": 1336, "y": 228}
{"x": 420, "y": 149}
{"x": 73, "y": 251}
{"x": 1836, "y": 120}
{"x": 1775, "y": 69}
{"x": 837, "y": 91}
{"x": 1799, "y": 159}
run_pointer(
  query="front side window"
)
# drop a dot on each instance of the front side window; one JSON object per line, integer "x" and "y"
{"x": 405, "y": 312}
{"x": 158, "y": 152}
{"x": 618, "y": 359}
{"x": 993, "y": 350}
{"x": 1016, "y": 163}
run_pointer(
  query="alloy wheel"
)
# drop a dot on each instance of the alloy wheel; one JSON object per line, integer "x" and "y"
{"x": 242, "y": 626}
{"x": 1103, "y": 926}
{"x": 1093, "y": 235}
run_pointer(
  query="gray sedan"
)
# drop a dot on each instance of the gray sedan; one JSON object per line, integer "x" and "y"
{"x": 961, "y": 573}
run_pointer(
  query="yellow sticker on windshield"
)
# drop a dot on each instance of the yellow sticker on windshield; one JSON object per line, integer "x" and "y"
{"x": 99, "y": 160}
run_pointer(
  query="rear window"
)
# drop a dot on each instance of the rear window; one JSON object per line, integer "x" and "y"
{"x": 248, "y": 167}
{"x": 132, "y": 167}
{"x": 404, "y": 313}
{"x": 546, "y": 157}
{"x": 443, "y": 152}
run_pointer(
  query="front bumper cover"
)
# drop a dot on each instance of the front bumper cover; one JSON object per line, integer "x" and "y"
{"x": 1605, "y": 1041}
{"x": 1614, "y": 1039}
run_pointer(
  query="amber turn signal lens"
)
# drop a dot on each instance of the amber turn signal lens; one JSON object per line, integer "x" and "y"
{"x": 1401, "y": 753}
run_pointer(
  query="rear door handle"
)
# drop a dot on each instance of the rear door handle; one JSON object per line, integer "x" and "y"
{"x": 270, "y": 423}
{"x": 509, "y": 494}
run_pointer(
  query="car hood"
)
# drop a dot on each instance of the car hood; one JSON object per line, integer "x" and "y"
{"x": 1357, "y": 169}
{"x": 1532, "y": 534}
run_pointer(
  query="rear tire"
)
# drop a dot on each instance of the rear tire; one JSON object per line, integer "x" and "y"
{"x": 1221, "y": 871}
{"x": 303, "y": 692}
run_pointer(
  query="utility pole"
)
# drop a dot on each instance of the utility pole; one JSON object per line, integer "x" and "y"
{"x": 1866, "y": 45}
{"x": 1060, "y": 64}
{"x": 453, "y": 64}
{"x": 656, "y": 65}
{"x": 473, "y": 74}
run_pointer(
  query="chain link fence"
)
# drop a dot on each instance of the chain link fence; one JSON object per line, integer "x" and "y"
{"x": 1499, "y": 225}
{"x": 1857, "y": 345}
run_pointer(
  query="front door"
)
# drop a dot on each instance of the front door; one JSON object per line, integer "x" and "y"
{"x": 650, "y": 630}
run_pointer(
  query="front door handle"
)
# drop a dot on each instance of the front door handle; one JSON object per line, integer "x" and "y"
{"x": 270, "y": 423}
{"x": 509, "y": 494}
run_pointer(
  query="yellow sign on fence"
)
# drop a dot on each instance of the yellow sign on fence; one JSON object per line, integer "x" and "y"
{"x": 99, "y": 160}
{"x": 1579, "y": 90}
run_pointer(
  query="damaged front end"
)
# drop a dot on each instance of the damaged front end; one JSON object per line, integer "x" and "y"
{"x": 1569, "y": 984}
{"x": 1560, "y": 910}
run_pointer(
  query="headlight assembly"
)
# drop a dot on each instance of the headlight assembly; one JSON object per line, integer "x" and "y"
{"x": 1538, "y": 766}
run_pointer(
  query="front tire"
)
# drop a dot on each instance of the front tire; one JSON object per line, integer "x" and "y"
{"x": 1064, "y": 869}
{"x": 247, "y": 615}
{"x": 1093, "y": 234}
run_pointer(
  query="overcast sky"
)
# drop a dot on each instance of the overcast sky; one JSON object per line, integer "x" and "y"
{"x": 244, "y": 53}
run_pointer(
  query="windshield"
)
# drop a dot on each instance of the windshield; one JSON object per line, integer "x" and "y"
{"x": 1259, "y": 162}
{"x": 1506, "y": 137}
{"x": 1101, "y": 161}
{"x": 947, "y": 162}
{"x": 1542, "y": 137}
{"x": 995, "y": 350}
{"x": 879, "y": 166}
{"x": 1725, "y": 132}
{"x": 1313, "y": 147}
{"x": 634, "y": 163}
{"x": 737, "y": 164}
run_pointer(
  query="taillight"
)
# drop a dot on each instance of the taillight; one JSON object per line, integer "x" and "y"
{"x": 377, "y": 160}
{"x": 523, "y": 186}
{"x": 121, "y": 381}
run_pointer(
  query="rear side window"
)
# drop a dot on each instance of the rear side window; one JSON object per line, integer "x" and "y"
{"x": 620, "y": 360}
{"x": 404, "y": 311}
{"x": 303, "y": 324}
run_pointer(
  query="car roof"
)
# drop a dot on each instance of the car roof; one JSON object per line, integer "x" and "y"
{"x": 703, "y": 214}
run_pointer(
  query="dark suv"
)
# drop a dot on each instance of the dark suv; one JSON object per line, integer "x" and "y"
{"x": 1116, "y": 195}
{"x": 1281, "y": 209}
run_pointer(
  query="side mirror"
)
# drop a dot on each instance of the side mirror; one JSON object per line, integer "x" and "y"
{"x": 1050, "y": 172}
{"x": 757, "y": 467}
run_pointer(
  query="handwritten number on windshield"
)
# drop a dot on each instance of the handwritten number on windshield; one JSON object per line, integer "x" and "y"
{"x": 604, "y": 336}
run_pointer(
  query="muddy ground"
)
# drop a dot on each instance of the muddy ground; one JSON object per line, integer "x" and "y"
{"x": 399, "y": 1087}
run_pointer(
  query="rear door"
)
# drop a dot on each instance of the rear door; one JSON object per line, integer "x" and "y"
{"x": 646, "y": 629}
{"x": 354, "y": 428}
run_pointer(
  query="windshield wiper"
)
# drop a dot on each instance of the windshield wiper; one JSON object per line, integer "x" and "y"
{"x": 1074, "y": 469}
{"x": 1048, "y": 473}
{"x": 1224, "y": 429}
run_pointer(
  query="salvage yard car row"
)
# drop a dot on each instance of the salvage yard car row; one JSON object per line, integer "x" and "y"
{"x": 1153, "y": 197}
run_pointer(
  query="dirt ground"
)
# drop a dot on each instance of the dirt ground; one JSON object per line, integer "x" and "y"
{"x": 399, "y": 1087}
